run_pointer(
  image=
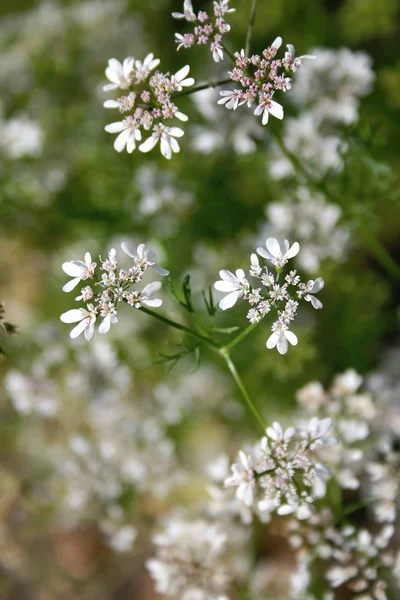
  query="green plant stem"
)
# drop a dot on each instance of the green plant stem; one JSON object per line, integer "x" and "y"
{"x": 221, "y": 350}
{"x": 203, "y": 86}
{"x": 379, "y": 251}
{"x": 352, "y": 508}
{"x": 241, "y": 336}
{"x": 231, "y": 56}
{"x": 250, "y": 27}
{"x": 231, "y": 366}
{"x": 179, "y": 326}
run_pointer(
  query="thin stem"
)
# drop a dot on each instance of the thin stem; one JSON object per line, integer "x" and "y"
{"x": 387, "y": 262}
{"x": 203, "y": 86}
{"x": 244, "y": 333}
{"x": 352, "y": 508}
{"x": 250, "y": 27}
{"x": 225, "y": 354}
{"x": 179, "y": 326}
{"x": 229, "y": 53}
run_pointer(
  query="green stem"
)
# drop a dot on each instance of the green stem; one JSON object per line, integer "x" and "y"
{"x": 250, "y": 27}
{"x": 225, "y": 355}
{"x": 222, "y": 351}
{"x": 241, "y": 336}
{"x": 203, "y": 86}
{"x": 179, "y": 326}
{"x": 229, "y": 53}
{"x": 386, "y": 261}
{"x": 355, "y": 507}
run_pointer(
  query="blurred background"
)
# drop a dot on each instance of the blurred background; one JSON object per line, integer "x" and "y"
{"x": 68, "y": 524}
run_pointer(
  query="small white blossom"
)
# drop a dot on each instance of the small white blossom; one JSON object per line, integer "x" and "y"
{"x": 278, "y": 252}
{"x": 166, "y": 136}
{"x": 234, "y": 285}
{"x": 143, "y": 257}
{"x": 280, "y": 338}
{"x": 86, "y": 319}
{"x": 119, "y": 74}
{"x": 79, "y": 270}
{"x": 243, "y": 478}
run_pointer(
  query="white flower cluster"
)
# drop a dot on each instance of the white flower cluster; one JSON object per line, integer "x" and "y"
{"x": 355, "y": 560}
{"x": 260, "y": 77}
{"x": 116, "y": 286}
{"x": 314, "y": 221}
{"x": 282, "y": 470}
{"x": 190, "y": 561}
{"x": 353, "y": 413}
{"x": 275, "y": 296}
{"x": 328, "y": 93}
{"x": 149, "y": 102}
{"x": 207, "y": 30}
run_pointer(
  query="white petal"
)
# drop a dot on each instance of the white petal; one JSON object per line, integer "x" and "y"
{"x": 273, "y": 247}
{"x": 229, "y": 301}
{"x": 72, "y": 316}
{"x": 277, "y": 43}
{"x": 265, "y": 117}
{"x": 72, "y": 268}
{"x": 121, "y": 140}
{"x": 291, "y": 337}
{"x": 129, "y": 249}
{"x": 151, "y": 288}
{"x": 282, "y": 344}
{"x": 111, "y": 104}
{"x": 264, "y": 253}
{"x": 225, "y": 286}
{"x": 115, "y": 127}
{"x": 315, "y": 302}
{"x": 176, "y": 131}
{"x": 318, "y": 285}
{"x": 68, "y": 287}
{"x": 174, "y": 145}
{"x": 273, "y": 340}
{"x": 78, "y": 329}
{"x": 276, "y": 110}
{"x": 89, "y": 332}
{"x": 154, "y": 302}
{"x": 148, "y": 144}
{"x": 181, "y": 74}
{"x": 228, "y": 276}
{"x": 293, "y": 251}
{"x": 165, "y": 148}
{"x": 105, "y": 325}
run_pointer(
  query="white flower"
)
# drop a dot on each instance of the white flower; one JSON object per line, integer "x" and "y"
{"x": 231, "y": 98}
{"x": 166, "y": 136}
{"x": 119, "y": 74}
{"x": 234, "y": 285}
{"x": 109, "y": 313}
{"x": 280, "y": 338}
{"x": 124, "y": 103}
{"x": 79, "y": 270}
{"x": 179, "y": 80}
{"x": 143, "y": 257}
{"x": 277, "y": 434}
{"x": 86, "y": 318}
{"x": 314, "y": 287}
{"x": 143, "y": 69}
{"x": 129, "y": 134}
{"x": 243, "y": 477}
{"x": 267, "y": 107}
{"x": 278, "y": 252}
{"x": 187, "y": 14}
{"x": 292, "y": 61}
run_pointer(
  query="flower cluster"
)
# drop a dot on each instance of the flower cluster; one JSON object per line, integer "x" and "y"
{"x": 275, "y": 296}
{"x": 260, "y": 77}
{"x": 281, "y": 472}
{"x": 207, "y": 30}
{"x": 149, "y": 102}
{"x": 355, "y": 560}
{"x": 116, "y": 286}
{"x": 190, "y": 561}
{"x": 316, "y": 224}
{"x": 353, "y": 412}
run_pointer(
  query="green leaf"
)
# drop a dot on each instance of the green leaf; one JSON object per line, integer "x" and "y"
{"x": 228, "y": 330}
